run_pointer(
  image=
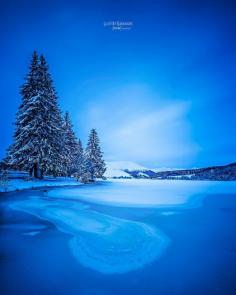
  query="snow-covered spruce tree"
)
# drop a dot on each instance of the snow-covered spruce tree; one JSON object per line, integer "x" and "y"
{"x": 51, "y": 130}
{"x": 38, "y": 137}
{"x": 71, "y": 147}
{"x": 14, "y": 159}
{"x": 87, "y": 171}
{"x": 95, "y": 165}
{"x": 79, "y": 161}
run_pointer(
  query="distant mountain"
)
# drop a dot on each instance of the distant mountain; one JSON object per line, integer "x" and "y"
{"x": 117, "y": 169}
{"x": 126, "y": 169}
{"x": 122, "y": 165}
{"x": 226, "y": 172}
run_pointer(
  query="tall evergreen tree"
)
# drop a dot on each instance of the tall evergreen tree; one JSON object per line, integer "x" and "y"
{"x": 71, "y": 146}
{"x": 38, "y": 136}
{"x": 95, "y": 164}
{"x": 51, "y": 137}
{"x": 28, "y": 90}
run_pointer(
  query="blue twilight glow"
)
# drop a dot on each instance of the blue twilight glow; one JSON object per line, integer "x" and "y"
{"x": 160, "y": 94}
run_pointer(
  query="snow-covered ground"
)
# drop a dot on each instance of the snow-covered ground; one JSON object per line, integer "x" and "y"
{"x": 20, "y": 184}
{"x": 145, "y": 192}
{"x": 18, "y": 180}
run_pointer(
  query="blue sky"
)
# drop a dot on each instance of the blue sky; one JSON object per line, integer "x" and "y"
{"x": 160, "y": 94}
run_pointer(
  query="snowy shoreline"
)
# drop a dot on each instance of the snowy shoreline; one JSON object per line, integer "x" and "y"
{"x": 15, "y": 185}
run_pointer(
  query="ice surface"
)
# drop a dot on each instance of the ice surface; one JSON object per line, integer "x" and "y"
{"x": 109, "y": 244}
{"x": 101, "y": 242}
{"x": 145, "y": 192}
{"x": 32, "y": 233}
{"x": 23, "y": 227}
{"x": 168, "y": 213}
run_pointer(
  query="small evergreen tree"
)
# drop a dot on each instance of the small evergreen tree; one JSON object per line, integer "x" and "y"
{"x": 95, "y": 165}
{"x": 86, "y": 175}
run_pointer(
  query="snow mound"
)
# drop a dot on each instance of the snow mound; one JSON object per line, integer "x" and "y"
{"x": 101, "y": 242}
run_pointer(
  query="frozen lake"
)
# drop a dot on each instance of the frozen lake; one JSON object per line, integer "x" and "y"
{"x": 120, "y": 237}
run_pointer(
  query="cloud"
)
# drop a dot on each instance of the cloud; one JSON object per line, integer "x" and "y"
{"x": 141, "y": 127}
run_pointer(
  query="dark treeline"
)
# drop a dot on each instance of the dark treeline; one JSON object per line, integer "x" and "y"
{"x": 44, "y": 141}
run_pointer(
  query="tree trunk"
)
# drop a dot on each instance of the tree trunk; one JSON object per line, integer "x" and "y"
{"x": 31, "y": 171}
{"x": 42, "y": 173}
{"x": 36, "y": 171}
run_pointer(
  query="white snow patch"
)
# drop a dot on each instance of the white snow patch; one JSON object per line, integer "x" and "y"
{"x": 142, "y": 174}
